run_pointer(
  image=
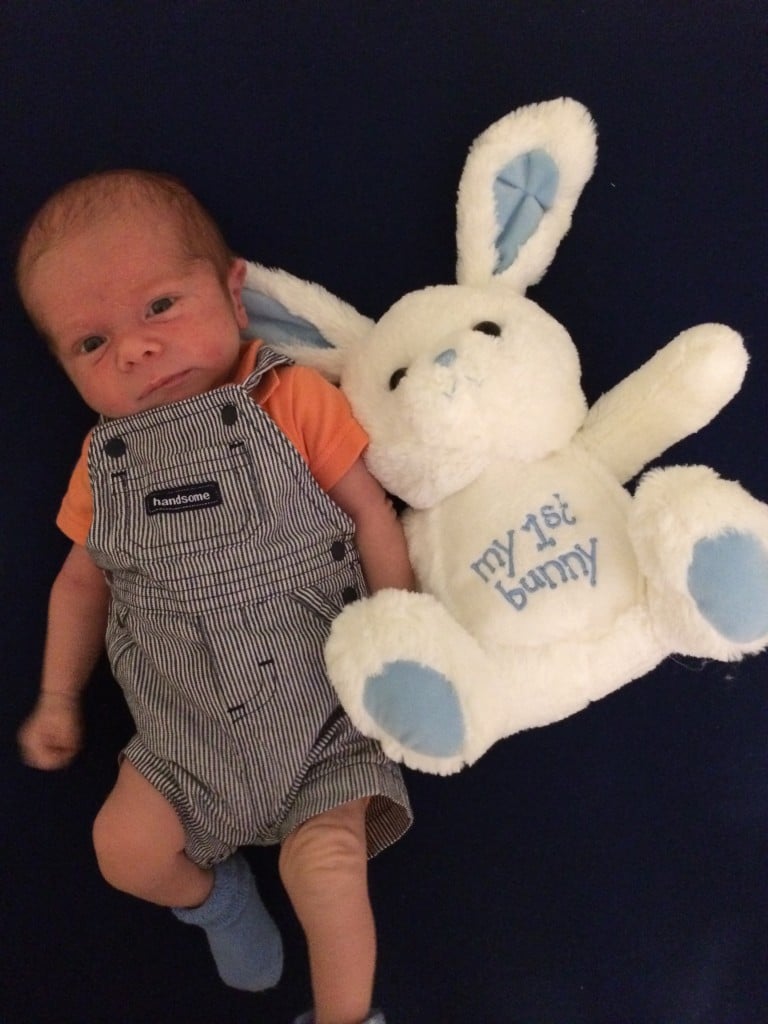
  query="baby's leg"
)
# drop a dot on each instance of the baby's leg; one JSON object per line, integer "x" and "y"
{"x": 323, "y": 865}
{"x": 139, "y": 845}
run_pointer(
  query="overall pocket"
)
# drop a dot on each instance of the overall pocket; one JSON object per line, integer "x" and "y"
{"x": 204, "y": 499}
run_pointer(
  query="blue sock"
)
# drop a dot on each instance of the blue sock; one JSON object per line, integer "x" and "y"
{"x": 244, "y": 939}
{"x": 376, "y": 1017}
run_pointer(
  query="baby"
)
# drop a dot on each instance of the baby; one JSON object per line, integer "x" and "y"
{"x": 221, "y": 515}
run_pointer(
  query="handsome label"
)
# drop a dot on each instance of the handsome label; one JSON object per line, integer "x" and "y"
{"x": 184, "y": 498}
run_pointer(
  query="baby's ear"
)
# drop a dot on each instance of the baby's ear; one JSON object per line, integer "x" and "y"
{"x": 301, "y": 319}
{"x": 521, "y": 182}
{"x": 235, "y": 282}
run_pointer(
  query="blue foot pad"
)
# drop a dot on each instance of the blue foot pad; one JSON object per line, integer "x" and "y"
{"x": 416, "y": 706}
{"x": 728, "y": 580}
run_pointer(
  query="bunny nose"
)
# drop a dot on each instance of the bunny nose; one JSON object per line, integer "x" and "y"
{"x": 446, "y": 357}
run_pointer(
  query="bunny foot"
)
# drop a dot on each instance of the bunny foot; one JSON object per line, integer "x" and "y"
{"x": 702, "y": 544}
{"x": 728, "y": 580}
{"x": 409, "y": 676}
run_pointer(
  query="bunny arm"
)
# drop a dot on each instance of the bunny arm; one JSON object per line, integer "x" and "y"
{"x": 674, "y": 394}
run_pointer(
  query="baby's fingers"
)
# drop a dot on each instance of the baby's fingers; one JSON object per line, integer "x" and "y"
{"x": 47, "y": 750}
{"x": 48, "y": 758}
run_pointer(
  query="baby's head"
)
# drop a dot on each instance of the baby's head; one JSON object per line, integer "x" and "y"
{"x": 131, "y": 282}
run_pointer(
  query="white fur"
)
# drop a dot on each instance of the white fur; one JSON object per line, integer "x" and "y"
{"x": 562, "y": 128}
{"x": 545, "y": 584}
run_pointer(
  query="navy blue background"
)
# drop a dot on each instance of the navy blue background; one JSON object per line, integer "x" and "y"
{"x": 610, "y": 869}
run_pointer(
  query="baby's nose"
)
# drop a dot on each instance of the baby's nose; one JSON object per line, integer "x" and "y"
{"x": 134, "y": 347}
{"x": 446, "y": 357}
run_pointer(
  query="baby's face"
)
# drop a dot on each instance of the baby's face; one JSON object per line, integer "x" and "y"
{"x": 134, "y": 322}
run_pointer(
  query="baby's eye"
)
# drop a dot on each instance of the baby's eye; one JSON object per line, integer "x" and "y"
{"x": 160, "y": 305}
{"x": 92, "y": 343}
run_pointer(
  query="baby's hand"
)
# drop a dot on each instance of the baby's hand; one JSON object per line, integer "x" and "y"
{"x": 52, "y": 734}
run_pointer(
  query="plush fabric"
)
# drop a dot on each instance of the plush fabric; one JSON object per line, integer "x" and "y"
{"x": 546, "y": 585}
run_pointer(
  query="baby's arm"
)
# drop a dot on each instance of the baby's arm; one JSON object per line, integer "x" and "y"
{"x": 77, "y": 614}
{"x": 378, "y": 533}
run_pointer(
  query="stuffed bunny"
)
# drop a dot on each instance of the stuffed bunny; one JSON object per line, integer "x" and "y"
{"x": 545, "y": 584}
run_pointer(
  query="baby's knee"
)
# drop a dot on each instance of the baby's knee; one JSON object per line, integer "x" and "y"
{"x": 128, "y": 857}
{"x": 112, "y": 848}
{"x": 330, "y": 847}
{"x": 137, "y": 835}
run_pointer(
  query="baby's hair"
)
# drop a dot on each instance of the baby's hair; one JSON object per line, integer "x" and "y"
{"x": 85, "y": 200}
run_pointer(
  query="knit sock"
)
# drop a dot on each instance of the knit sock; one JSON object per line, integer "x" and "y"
{"x": 244, "y": 940}
{"x": 377, "y": 1017}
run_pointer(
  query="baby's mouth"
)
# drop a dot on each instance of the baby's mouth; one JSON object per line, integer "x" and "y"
{"x": 160, "y": 384}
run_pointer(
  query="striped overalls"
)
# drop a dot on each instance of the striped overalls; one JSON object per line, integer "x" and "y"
{"x": 227, "y": 563}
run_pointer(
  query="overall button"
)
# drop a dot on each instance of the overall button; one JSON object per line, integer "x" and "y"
{"x": 115, "y": 447}
{"x": 349, "y": 594}
{"x": 229, "y": 415}
{"x": 338, "y": 549}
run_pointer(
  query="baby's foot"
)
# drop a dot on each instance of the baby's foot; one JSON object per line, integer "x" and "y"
{"x": 243, "y": 938}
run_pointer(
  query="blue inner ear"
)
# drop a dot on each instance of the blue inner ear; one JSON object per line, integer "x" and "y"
{"x": 270, "y": 321}
{"x": 524, "y": 190}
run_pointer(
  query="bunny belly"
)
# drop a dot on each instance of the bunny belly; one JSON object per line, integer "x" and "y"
{"x": 531, "y": 554}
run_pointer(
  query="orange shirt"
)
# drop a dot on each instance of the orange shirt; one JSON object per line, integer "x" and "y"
{"x": 313, "y": 414}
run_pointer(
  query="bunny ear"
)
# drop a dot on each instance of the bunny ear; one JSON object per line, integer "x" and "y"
{"x": 521, "y": 181}
{"x": 301, "y": 319}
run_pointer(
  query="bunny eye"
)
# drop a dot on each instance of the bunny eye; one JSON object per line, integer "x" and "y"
{"x": 396, "y": 377}
{"x": 488, "y": 327}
